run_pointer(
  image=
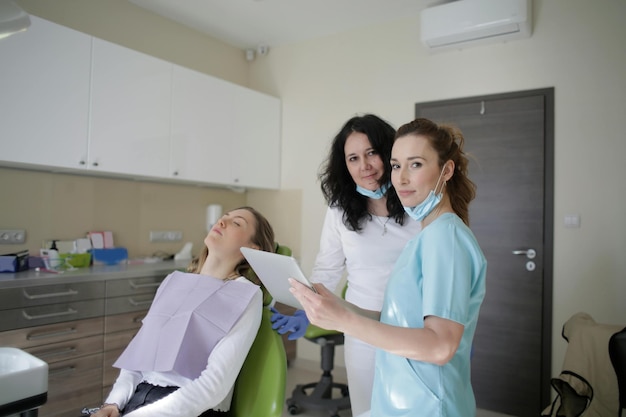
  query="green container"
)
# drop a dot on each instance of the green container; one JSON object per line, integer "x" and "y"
{"x": 77, "y": 260}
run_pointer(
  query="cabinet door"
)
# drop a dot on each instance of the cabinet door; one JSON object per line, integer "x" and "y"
{"x": 44, "y": 80}
{"x": 256, "y": 140}
{"x": 202, "y": 123}
{"x": 130, "y": 112}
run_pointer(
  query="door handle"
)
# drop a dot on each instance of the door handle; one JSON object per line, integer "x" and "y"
{"x": 530, "y": 253}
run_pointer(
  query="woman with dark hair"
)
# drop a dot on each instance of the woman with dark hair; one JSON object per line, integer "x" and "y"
{"x": 425, "y": 328}
{"x": 364, "y": 231}
{"x": 192, "y": 344}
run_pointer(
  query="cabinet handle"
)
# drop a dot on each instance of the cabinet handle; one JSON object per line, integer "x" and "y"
{"x": 147, "y": 285}
{"x": 57, "y": 352}
{"x": 138, "y": 319}
{"x": 139, "y": 303}
{"x": 51, "y": 334}
{"x": 46, "y": 316}
{"x": 61, "y": 371}
{"x": 49, "y": 295}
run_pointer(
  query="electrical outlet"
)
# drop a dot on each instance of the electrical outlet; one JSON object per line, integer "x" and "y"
{"x": 166, "y": 235}
{"x": 12, "y": 236}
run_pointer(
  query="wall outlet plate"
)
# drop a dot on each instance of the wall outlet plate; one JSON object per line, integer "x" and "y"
{"x": 166, "y": 235}
{"x": 12, "y": 236}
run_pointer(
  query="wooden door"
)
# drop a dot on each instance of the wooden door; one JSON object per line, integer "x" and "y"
{"x": 510, "y": 140}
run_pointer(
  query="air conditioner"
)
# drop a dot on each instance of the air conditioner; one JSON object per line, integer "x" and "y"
{"x": 465, "y": 23}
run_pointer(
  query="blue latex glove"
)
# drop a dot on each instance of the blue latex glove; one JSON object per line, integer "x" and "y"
{"x": 295, "y": 324}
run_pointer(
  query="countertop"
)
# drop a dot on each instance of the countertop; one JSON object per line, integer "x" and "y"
{"x": 32, "y": 277}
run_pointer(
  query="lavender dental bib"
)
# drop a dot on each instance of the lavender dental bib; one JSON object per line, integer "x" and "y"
{"x": 190, "y": 314}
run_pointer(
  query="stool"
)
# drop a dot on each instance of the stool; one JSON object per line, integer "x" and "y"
{"x": 319, "y": 395}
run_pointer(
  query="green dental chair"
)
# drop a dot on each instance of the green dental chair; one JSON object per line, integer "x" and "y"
{"x": 260, "y": 387}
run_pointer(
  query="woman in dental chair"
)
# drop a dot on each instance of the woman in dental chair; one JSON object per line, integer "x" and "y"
{"x": 192, "y": 344}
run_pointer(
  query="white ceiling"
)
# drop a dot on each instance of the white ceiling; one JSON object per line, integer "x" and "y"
{"x": 249, "y": 23}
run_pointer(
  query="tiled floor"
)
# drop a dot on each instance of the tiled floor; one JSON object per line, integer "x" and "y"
{"x": 302, "y": 371}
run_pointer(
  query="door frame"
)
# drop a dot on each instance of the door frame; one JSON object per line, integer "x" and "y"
{"x": 548, "y": 217}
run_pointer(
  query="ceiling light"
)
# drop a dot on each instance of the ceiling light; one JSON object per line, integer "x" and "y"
{"x": 12, "y": 18}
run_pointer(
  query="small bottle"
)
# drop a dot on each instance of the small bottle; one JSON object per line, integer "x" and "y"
{"x": 53, "y": 255}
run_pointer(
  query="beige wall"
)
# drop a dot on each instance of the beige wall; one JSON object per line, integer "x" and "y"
{"x": 576, "y": 47}
{"x": 60, "y": 206}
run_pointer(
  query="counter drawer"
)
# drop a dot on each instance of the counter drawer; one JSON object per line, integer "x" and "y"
{"x": 131, "y": 286}
{"x": 12, "y": 298}
{"x": 69, "y": 349}
{"x": 52, "y": 333}
{"x": 72, "y": 385}
{"x": 130, "y": 303}
{"x": 119, "y": 331}
{"x": 118, "y": 340}
{"x": 126, "y": 321}
{"x": 48, "y": 314}
{"x": 110, "y": 373}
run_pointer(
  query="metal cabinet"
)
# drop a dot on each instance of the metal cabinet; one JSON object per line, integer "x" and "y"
{"x": 127, "y": 303}
{"x": 46, "y": 304}
{"x": 73, "y": 351}
{"x": 79, "y": 329}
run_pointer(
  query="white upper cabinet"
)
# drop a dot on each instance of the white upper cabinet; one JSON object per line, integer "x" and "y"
{"x": 44, "y": 96}
{"x": 130, "y": 111}
{"x": 70, "y": 101}
{"x": 223, "y": 133}
{"x": 202, "y": 127}
{"x": 256, "y": 139}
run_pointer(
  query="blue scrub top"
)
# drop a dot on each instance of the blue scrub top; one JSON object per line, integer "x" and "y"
{"x": 439, "y": 273}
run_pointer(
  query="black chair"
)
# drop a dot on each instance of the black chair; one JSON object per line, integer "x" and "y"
{"x": 319, "y": 395}
{"x": 617, "y": 352}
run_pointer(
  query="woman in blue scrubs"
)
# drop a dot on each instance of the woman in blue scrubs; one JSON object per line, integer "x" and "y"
{"x": 425, "y": 329}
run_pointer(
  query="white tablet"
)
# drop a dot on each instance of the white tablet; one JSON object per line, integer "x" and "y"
{"x": 273, "y": 270}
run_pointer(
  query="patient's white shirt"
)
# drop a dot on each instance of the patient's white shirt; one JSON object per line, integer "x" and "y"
{"x": 367, "y": 257}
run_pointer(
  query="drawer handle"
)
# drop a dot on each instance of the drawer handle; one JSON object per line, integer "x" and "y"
{"x": 62, "y": 371}
{"x": 50, "y": 294}
{"x": 51, "y": 334}
{"x": 139, "y": 303}
{"x": 46, "y": 316}
{"x": 57, "y": 352}
{"x": 147, "y": 285}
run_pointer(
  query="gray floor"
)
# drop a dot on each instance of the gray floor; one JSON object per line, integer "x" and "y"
{"x": 302, "y": 371}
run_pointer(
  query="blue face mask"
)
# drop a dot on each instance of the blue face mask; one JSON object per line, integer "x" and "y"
{"x": 424, "y": 208}
{"x": 376, "y": 194}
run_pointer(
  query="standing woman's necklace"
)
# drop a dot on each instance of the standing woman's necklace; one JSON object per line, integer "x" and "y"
{"x": 384, "y": 225}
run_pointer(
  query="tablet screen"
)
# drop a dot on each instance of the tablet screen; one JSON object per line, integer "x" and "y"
{"x": 274, "y": 270}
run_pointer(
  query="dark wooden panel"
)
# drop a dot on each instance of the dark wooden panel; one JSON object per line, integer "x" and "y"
{"x": 506, "y": 139}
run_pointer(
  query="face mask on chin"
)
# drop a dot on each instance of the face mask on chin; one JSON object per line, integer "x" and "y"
{"x": 424, "y": 208}
{"x": 376, "y": 194}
